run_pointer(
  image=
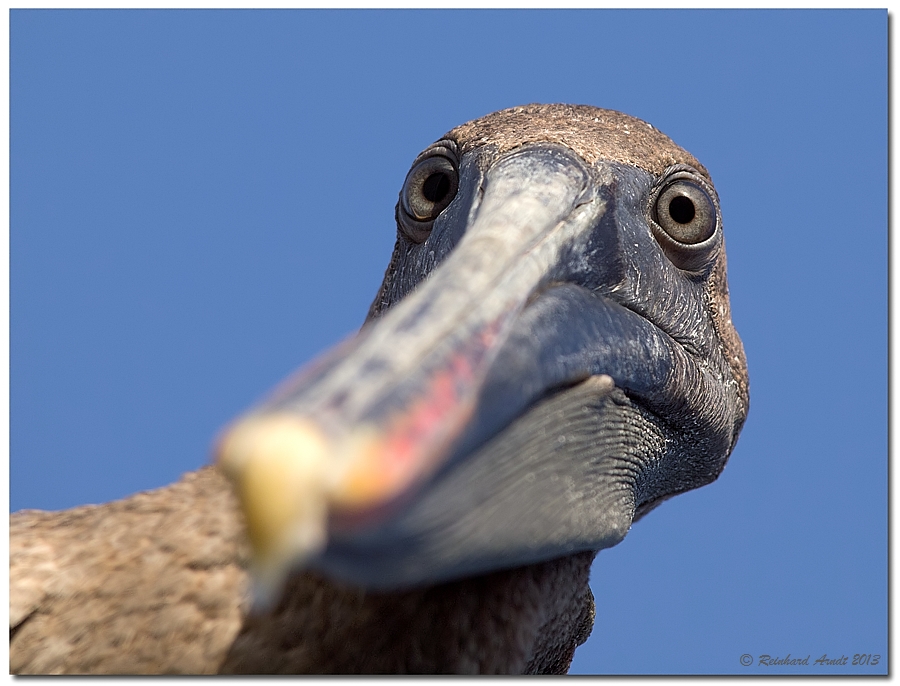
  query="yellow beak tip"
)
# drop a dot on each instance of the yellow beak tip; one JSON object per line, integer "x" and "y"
{"x": 277, "y": 464}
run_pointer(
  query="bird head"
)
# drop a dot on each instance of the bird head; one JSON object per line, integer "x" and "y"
{"x": 550, "y": 355}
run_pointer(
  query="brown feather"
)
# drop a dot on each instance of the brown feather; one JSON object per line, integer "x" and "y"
{"x": 157, "y": 584}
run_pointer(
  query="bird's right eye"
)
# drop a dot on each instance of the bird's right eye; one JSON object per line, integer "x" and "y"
{"x": 429, "y": 187}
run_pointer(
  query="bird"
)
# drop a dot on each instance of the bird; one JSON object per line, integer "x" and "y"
{"x": 550, "y": 356}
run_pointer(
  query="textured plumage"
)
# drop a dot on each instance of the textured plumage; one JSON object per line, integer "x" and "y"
{"x": 627, "y": 383}
{"x": 157, "y": 584}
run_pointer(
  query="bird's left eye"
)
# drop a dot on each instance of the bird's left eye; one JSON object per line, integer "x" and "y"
{"x": 685, "y": 212}
{"x": 684, "y": 218}
{"x": 429, "y": 187}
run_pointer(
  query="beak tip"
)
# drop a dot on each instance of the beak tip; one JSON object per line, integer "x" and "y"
{"x": 278, "y": 467}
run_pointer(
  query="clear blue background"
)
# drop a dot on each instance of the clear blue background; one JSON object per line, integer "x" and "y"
{"x": 202, "y": 201}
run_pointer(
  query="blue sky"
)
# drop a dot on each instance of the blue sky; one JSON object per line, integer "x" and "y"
{"x": 202, "y": 201}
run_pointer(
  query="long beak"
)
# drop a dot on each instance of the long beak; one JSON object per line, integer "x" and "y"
{"x": 350, "y": 441}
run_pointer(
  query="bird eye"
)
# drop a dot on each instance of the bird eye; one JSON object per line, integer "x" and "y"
{"x": 429, "y": 187}
{"x": 685, "y": 212}
{"x": 684, "y": 218}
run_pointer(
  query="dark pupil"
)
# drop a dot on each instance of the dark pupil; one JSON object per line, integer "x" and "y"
{"x": 436, "y": 187}
{"x": 681, "y": 209}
